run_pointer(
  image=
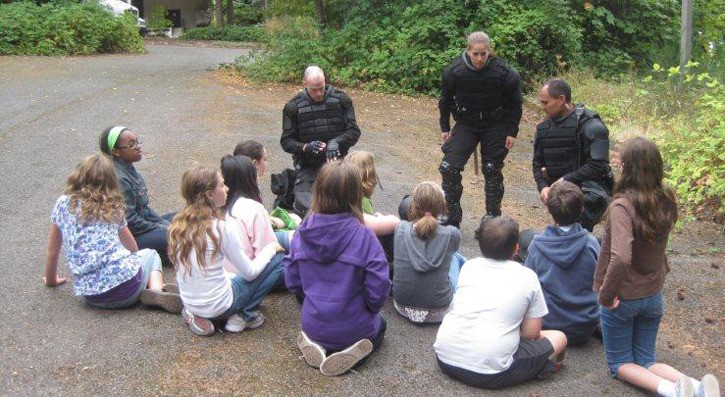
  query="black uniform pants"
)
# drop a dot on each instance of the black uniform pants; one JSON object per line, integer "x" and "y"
{"x": 457, "y": 150}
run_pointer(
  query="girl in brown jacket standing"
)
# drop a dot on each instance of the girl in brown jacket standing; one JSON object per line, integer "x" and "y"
{"x": 631, "y": 272}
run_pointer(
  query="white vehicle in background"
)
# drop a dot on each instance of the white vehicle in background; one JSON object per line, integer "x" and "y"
{"x": 119, "y": 7}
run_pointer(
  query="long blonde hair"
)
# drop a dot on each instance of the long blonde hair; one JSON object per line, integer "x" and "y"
{"x": 190, "y": 228}
{"x": 93, "y": 191}
{"x": 426, "y": 205}
{"x": 337, "y": 189}
{"x": 365, "y": 163}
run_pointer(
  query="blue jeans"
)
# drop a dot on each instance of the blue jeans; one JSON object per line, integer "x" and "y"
{"x": 150, "y": 262}
{"x": 249, "y": 294}
{"x": 156, "y": 239}
{"x": 283, "y": 238}
{"x": 457, "y": 261}
{"x": 630, "y": 331}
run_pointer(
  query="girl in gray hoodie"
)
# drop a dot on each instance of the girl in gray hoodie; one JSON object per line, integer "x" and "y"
{"x": 426, "y": 258}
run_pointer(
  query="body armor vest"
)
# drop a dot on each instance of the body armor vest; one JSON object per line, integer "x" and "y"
{"x": 561, "y": 144}
{"x": 480, "y": 94}
{"x": 320, "y": 121}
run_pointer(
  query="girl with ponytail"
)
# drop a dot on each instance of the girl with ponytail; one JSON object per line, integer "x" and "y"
{"x": 426, "y": 259}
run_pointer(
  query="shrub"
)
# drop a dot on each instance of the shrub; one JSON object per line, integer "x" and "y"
{"x": 227, "y": 33}
{"x": 68, "y": 29}
{"x": 157, "y": 19}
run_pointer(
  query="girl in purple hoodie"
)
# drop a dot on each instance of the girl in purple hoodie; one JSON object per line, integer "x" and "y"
{"x": 338, "y": 270}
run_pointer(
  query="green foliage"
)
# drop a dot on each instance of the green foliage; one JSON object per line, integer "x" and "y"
{"x": 709, "y": 42}
{"x": 696, "y": 152}
{"x": 292, "y": 8}
{"x": 622, "y": 36}
{"x": 296, "y": 44}
{"x": 247, "y": 15}
{"x": 540, "y": 37}
{"x": 402, "y": 45}
{"x": 226, "y": 33}
{"x": 67, "y": 29}
{"x": 157, "y": 19}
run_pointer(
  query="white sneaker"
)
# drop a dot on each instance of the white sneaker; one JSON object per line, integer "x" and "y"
{"x": 235, "y": 323}
{"x": 684, "y": 388}
{"x": 709, "y": 387}
{"x": 313, "y": 353}
{"x": 343, "y": 361}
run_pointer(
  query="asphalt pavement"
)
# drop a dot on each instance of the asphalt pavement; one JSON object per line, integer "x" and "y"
{"x": 52, "y": 112}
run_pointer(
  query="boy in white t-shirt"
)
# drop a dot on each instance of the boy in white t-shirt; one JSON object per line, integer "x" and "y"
{"x": 492, "y": 337}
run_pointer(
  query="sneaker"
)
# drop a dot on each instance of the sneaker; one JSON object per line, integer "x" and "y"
{"x": 683, "y": 387}
{"x": 235, "y": 323}
{"x": 342, "y": 361}
{"x": 197, "y": 325}
{"x": 166, "y": 300}
{"x": 173, "y": 288}
{"x": 313, "y": 353}
{"x": 709, "y": 387}
{"x": 257, "y": 321}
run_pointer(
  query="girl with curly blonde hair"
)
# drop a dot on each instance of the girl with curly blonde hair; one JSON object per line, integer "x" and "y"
{"x": 109, "y": 271}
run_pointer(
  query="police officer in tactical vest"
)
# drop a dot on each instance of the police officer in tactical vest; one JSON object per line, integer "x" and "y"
{"x": 572, "y": 144}
{"x": 483, "y": 95}
{"x": 318, "y": 125}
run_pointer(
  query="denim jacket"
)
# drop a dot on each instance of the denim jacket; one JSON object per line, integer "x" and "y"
{"x": 140, "y": 217}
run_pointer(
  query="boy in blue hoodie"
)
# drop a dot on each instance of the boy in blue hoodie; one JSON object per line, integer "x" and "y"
{"x": 564, "y": 259}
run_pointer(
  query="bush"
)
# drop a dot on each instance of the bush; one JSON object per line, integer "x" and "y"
{"x": 227, "y": 33}
{"x": 623, "y": 36}
{"x": 247, "y": 14}
{"x": 68, "y": 29}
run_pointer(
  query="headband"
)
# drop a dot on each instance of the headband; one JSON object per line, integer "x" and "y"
{"x": 113, "y": 136}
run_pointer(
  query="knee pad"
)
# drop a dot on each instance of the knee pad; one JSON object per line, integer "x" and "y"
{"x": 451, "y": 177}
{"x": 491, "y": 169}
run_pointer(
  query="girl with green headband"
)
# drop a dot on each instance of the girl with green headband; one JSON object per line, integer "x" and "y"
{"x": 148, "y": 228}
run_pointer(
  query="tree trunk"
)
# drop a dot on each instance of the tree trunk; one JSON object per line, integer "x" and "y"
{"x": 320, "y": 12}
{"x": 218, "y": 17}
{"x": 230, "y": 12}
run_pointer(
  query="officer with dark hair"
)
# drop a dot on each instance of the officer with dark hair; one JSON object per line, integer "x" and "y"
{"x": 318, "y": 125}
{"x": 483, "y": 95}
{"x": 572, "y": 144}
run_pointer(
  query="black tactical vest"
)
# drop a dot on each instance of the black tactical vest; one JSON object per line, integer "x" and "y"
{"x": 480, "y": 94}
{"x": 320, "y": 121}
{"x": 562, "y": 147}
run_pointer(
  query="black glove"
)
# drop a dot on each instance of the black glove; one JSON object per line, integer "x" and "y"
{"x": 313, "y": 147}
{"x": 333, "y": 150}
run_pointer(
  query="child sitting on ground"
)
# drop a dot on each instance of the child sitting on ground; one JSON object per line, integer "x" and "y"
{"x": 109, "y": 271}
{"x": 382, "y": 225}
{"x": 492, "y": 336}
{"x": 244, "y": 207}
{"x": 564, "y": 258}
{"x": 280, "y": 218}
{"x": 426, "y": 259}
{"x": 199, "y": 242}
{"x": 338, "y": 269}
